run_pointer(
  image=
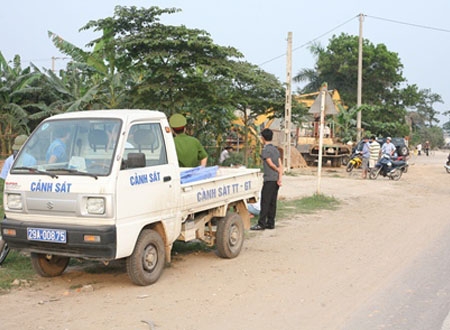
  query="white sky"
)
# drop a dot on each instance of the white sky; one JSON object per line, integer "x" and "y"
{"x": 258, "y": 28}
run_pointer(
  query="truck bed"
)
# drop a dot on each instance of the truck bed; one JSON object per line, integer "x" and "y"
{"x": 229, "y": 185}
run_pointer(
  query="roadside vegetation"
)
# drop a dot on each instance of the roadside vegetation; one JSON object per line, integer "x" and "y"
{"x": 306, "y": 205}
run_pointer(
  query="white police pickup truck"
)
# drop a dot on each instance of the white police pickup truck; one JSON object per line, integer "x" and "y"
{"x": 106, "y": 185}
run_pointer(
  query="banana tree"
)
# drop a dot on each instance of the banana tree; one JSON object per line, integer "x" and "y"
{"x": 92, "y": 80}
{"x": 17, "y": 91}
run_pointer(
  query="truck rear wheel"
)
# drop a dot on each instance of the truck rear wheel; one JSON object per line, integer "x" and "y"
{"x": 230, "y": 236}
{"x": 146, "y": 264}
{"x": 49, "y": 265}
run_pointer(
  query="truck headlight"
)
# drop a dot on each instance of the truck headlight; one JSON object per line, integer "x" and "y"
{"x": 95, "y": 205}
{"x": 14, "y": 201}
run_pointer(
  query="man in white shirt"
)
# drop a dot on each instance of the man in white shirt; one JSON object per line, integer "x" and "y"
{"x": 225, "y": 154}
{"x": 388, "y": 148}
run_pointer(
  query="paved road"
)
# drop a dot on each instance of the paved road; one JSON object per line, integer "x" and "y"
{"x": 418, "y": 298}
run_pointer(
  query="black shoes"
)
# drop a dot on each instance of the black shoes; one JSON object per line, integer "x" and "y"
{"x": 257, "y": 227}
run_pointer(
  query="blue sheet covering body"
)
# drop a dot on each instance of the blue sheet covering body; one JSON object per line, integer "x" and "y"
{"x": 198, "y": 173}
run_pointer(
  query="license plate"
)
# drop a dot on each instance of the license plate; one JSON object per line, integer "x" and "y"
{"x": 46, "y": 235}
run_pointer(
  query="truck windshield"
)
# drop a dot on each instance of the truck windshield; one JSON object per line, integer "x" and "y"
{"x": 70, "y": 146}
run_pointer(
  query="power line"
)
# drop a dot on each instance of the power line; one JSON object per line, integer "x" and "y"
{"x": 338, "y": 26}
{"x": 410, "y": 24}
{"x": 311, "y": 41}
{"x": 324, "y": 34}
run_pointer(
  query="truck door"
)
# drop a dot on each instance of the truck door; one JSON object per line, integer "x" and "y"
{"x": 147, "y": 186}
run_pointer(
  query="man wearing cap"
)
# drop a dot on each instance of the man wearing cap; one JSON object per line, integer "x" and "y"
{"x": 388, "y": 148}
{"x": 18, "y": 142}
{"x": 190, "y": 151}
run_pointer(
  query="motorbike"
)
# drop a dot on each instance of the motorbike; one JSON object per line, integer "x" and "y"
{"x": 447, "y": 164}
{"x": 4, "y": 249}
{"x": 354, "y": 162}
{"x": 387, "y": 167}
{"x": 405, "y": 169}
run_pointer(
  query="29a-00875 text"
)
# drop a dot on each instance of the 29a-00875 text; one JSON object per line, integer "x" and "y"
{"x": 46, "y": 235}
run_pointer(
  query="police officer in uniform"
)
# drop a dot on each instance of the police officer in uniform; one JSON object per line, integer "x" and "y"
{"x": 190, "y": 151}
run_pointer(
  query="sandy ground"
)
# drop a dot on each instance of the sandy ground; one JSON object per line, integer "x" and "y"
{"x": 311, "y": 272}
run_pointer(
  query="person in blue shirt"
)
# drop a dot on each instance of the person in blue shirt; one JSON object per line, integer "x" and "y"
{"x": 18, "y": 142}
{"x": 56, "y": 152}
{"x": 388, "y": 148}
{"x": 365, "y": 152}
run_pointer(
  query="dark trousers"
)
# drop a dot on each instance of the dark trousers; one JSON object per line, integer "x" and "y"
{"x": 269, "y": 195}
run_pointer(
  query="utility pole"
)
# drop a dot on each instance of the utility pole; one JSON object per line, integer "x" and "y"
{"x": 54, "y": 60}
{"x": 359, "y": 87}
{"x": 288, "y": 107}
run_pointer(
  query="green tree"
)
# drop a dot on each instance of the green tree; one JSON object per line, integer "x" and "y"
{"x": 310, "y": 77}
{"x": 434, "y": 135}
{"x": 346, "y": 123}
{"x": 338, "y": 65}
{"x": 176, "y": 64}
{"x": 92, "y": 80}
{"x": 182, "y": 70}
{"x": 255, "y": 92}
{"x": 384, "y": 121}
{"x": 446, "y": 127}
{"x": 386, "y": 96}
{"x": 425, "y": 106}
{"x": 17, "y": 94}
{"x": 137, "y": 62}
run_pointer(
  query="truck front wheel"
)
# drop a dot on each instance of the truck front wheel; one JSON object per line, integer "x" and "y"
{"x": 146, "y": 264}
{"x": 230, "y": 236}
{"x": 49, "y": 265}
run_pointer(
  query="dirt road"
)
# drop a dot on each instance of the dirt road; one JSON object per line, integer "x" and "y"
{"x": 311, "y": 272}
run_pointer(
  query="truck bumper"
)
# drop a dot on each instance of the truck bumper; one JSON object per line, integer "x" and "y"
{"x": 75, "y": 246}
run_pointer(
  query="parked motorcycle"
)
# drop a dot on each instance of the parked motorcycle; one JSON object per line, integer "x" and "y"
{"x": 447, "y": 164}
{"x": 387, "y": 167}
{"x": 354, "y": 162}
{"x": 401, "y": 158}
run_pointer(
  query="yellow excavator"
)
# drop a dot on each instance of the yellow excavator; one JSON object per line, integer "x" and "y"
{"x": 306, "y": 137}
